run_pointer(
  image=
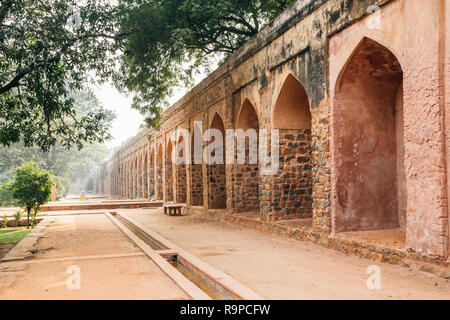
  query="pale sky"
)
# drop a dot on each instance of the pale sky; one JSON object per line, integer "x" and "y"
{"x": 128, "y": 120}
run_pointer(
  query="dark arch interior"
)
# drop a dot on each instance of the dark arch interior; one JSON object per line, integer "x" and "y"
{"x": 292, "y": 186}
{"x": 196, "y": 170}
{"x": 370, "y": 186}
{"x": 217, "y": 173}
{"x": 159, "y": 175}
{"x": 246, "y": 176}
{"x": 145, "y": 193}
{"x": 169, "y": 172}
{"x": 181, "y": 176}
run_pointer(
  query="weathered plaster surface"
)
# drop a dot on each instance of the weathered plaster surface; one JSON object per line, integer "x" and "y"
{"x": 312, "y": 41}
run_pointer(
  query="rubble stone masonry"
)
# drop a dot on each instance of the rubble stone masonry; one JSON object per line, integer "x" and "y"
{"x": 359, "y": 90}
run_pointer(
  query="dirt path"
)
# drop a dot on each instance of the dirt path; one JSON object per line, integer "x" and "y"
{"x": 285, "y": 269}
{"x": 110, "y": 265}
{"x": 5, "y": 248}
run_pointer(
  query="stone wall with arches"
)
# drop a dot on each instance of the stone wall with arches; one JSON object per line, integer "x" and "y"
{"x": 359, "y": 93}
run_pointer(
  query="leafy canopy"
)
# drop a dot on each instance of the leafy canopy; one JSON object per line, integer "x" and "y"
{"x": 68, "y": 166}
{"x": 176, "y": 37}
{"x": 49, "y": 48}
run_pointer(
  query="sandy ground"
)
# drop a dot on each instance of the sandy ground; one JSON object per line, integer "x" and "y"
{"x": 394, "y": 238}
{"x": 5, "y": 248}
{"x": 280, "y": 268}
{"x": 123, "y": 274}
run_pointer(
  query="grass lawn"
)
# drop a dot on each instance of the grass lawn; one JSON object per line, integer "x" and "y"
{"x": 13, "y": 235}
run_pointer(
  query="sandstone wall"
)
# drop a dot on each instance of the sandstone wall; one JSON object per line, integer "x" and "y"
{"x": 312, "y": 43}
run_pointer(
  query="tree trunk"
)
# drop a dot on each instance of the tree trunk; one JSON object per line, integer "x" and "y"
{"x": 34, "y": 218}
{"x": 28, "y": 218}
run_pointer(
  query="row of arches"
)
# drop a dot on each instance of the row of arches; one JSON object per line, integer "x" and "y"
{"x": 367, "y": 134}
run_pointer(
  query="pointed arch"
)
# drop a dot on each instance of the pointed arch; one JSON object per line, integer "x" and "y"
{"x": 217, "y": 172}
{"x": 169, "y": 172}
{"x": 151, "y": 174}
{"x": 145, "y": 177}
{"x": 292, "y": 117}
{"x": 246, "y": 178}
{"x": 159, "y": 173}
{"x": 181, "y": 186}
{"x": 368, "y": 127}
{"x": 196, "y": 182}
{"x": 248, "y": 117}
{"x": 292, "y": 109}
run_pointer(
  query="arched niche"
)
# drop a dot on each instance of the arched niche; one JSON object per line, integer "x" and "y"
{"x": 159, "y": 173}
{"x": 370, "y": 188}
{"x": 292, "y": 186}
{"x": 169, "y": 172}
{"x": 246, "y": 178}
{"x": 217, "y": 172}
{"x": 196, "y": 168}
{"x": 181, "y": 174}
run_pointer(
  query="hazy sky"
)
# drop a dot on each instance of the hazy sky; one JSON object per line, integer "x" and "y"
{"x": 129, "y": 120}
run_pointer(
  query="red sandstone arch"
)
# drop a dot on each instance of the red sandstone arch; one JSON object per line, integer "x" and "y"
{"x": 135, "y": 178}
{"x": 181, "y": 177}
{"x": 247, "y": 179}
{"x": 217, "y": 173}
{"x": 196, "y": 171}
{"x": 140, "y": 174}
{"x": 152, "y": 180}
{"x": 159, "y": 173}
{"x": 370, "y": 189}
{"x": 169, "y": 172}
{"x": 145, "y": 176}
{"x": 247, "y": 118}
{"x": 292, "y": 109}
{"x": 292, "y": 187}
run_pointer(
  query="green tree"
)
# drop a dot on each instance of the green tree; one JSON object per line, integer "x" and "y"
{"x": 6, "y": 196}
{"x": 50, "y": 48}
{"x": 47, "y": 49}
{"x": 66, "y": 165}
{"x": 32, "y": 187}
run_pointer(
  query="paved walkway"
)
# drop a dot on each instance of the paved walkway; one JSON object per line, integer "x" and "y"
{"x": 285, "y": 269}
{"x": 111, "y": 266}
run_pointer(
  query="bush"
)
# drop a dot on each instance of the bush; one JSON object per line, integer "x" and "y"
{"x": 32, "y": 187}
{"x": 5, "y": 221}
{"x": 18, "y": 217}
{"x": 6, "y": 194}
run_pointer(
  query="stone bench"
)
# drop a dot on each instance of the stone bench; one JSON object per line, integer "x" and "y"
{"x": 172, "y": 209}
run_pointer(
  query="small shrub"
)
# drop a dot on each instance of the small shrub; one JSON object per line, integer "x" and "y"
{"x": 31, "y": 187}
{"x": 6, "y": 195}
{"x": 5, "y": 221}
{"x": 18, "y": 217}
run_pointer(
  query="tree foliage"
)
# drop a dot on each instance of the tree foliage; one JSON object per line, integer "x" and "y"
{"x": 31, "y": 187}
{"x": 48, "y": 49}
{"x": 68, "y": 166}
{"x": 176, "y": 37}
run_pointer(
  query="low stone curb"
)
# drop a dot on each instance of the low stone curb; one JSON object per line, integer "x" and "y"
{"x": 412, "y": 260}
{"x": 220, "y": 280}
{"x": 10, "y": 272}
{"x": 187, "y": 286}
{"x": 23, "y": 249}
